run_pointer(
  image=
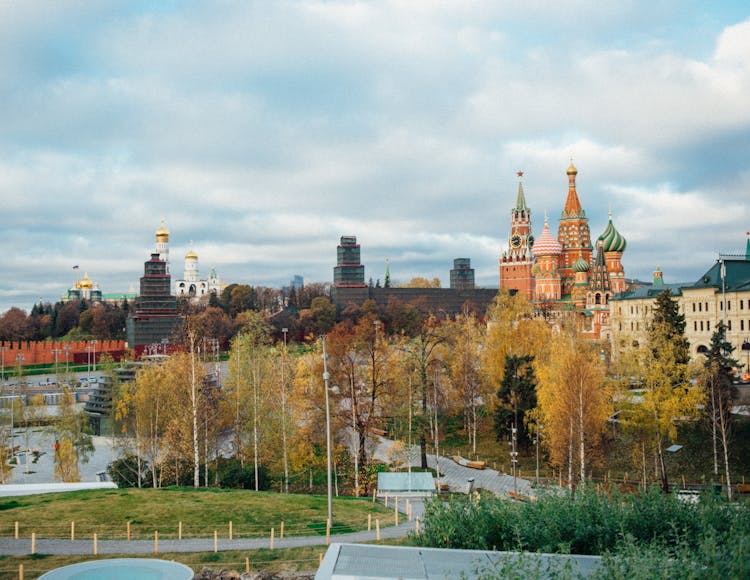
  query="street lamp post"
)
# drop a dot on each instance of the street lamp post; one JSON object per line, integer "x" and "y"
{"x": 326, "y": 377}
{"x": 19, "y": 360}
{"x": 514, "y": 457}
{"x": 66, "y": 348}
{"x": 56, "y": 352}
{"x": 283, "y": 413}
{"x": 536, "y": 443}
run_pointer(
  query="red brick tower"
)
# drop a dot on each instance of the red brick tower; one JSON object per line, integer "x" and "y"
{"x": 574, "y": 235}
{"x": 516, "y": 262}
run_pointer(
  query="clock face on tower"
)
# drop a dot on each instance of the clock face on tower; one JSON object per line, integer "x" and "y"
{"x": 515, "y": 241}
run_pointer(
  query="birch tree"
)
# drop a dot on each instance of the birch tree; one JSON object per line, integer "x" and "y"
{"x": 575, "y": 405}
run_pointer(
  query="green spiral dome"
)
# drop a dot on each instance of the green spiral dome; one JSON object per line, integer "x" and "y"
{"x": 612, "y": 240}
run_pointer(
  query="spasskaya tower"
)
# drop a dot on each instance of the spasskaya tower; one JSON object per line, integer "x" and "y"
{"x": 516, "y": 262}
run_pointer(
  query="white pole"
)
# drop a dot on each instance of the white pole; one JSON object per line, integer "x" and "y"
{"x": 326, "y": 377}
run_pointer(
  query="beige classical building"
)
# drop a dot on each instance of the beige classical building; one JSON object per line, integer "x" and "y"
{"x": 722, "y": 294}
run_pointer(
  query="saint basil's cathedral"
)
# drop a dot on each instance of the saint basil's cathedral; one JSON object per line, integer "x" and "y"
{"x": 564, "y": 273}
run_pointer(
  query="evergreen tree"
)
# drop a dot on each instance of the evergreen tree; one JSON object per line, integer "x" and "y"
{"x": 669, "y": 325}
{"x": 719, "y": 369}
{"x": 669, "y": 393}
{"x": 516, "y": 395}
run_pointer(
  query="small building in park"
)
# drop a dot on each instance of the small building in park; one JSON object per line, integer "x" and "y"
{"x": 406, "y": 484}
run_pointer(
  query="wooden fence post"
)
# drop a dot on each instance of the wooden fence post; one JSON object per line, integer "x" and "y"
{"x": 96, "y": 546}
{"x": 20, "y": 572}
{"x": 156, "y": 542}
{"x": 247, "y": 565}
{"x": 231, "y": 532}
{"x": 72, "y": 530}
{"x": 281, "y": 533}
{"x": 33, "y": 542}
{"x": 16, "y": 532}
{"x": 369, "y": 522}
{"x": 272, "y": 534}
{"x": 179, "y": 530}
{"x": 128, "y": 531}
{"x": 216, "y": 541}
{"x": 377, "y": 529}
{"x": 328, "y": 532}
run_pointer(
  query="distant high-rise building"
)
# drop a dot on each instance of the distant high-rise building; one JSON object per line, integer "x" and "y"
{"x": 297, "y": 281}
{"x": 462, "y": 274}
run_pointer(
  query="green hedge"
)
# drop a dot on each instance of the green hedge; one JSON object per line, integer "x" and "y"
{"x": 638, "y": 533}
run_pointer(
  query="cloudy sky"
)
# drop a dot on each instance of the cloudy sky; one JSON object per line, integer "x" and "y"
{"x": 263, "y": 131}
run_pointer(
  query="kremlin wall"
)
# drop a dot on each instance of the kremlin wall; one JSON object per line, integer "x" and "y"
{"x": 74, "y": 352}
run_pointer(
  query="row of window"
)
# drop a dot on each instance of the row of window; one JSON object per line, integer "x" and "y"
{"x": 696, "y": 323}
{"x": 721, "y": 306}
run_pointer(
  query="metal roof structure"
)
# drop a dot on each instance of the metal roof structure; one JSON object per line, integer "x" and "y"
{"x": 372, "y": 562}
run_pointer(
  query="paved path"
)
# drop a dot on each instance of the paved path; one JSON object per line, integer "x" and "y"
{"x": 456, "y": 476}
{"x": 21, "y": 547}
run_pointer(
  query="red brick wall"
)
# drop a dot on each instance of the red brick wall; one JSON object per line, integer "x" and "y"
{"x": 42, "y": 352}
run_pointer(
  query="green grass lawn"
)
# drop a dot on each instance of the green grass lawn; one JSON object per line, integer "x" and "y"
{"x": 253, "y": 514}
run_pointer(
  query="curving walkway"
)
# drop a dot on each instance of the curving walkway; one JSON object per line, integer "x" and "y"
{"x": 457, "y": 476}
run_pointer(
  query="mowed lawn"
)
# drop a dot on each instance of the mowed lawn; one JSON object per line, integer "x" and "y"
{"x": 202, "y": 511}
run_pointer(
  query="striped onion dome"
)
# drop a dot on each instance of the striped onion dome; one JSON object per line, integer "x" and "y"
{"x": 546, "y": 244}
{"x": 612, "y": 240}
{"x": 581, "y": 265}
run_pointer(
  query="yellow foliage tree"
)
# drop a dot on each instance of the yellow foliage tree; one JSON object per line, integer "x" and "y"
{"x": 574, "y": 403}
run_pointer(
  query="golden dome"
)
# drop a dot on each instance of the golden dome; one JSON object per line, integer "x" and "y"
{"x": 162, "y": 234}
{"x": 191, "y": 255}
{"x": 572, "y": 169}
{"x": 86, "y": 282}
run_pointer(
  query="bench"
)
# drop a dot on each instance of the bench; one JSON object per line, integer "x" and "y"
{"x": 468, "y": 463}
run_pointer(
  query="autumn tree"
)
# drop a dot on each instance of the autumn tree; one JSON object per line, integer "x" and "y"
{"x": 669, "y": 395}
{"x": 512, "y": 330}
{"x": 464, "y": 364}
{"x": 574, "y": 404}
{"x": 720, "y": 392}
{"x": 359, "y": 365}
{"x": 73, "y": 444}
{"x": 420, "y": 282}
{"x": 420, "y": 352}
{"x": 252, "y": 379}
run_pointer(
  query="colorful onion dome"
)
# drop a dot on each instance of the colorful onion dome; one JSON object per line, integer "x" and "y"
{"x": 612, "y": 240}
{"x": 572, "y": 169}
{"x": 581, "y": 265}
{"x": 546, "y": 244}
